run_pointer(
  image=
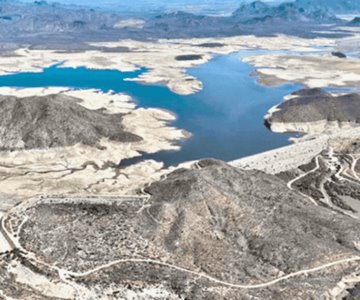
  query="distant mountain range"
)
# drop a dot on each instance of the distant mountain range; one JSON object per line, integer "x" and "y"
{"x": 248, "y": 14}
{"x": 335, "y": 6}
{"x": 355, "y": 22}
{"x": 144, "y": 8}
{"x": 30, "y": 21}
{"x": 17, "y": 19}
{"x": 259, "y": 12}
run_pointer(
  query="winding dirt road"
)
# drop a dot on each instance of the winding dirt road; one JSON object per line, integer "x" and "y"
{"x": 291, "y": 182}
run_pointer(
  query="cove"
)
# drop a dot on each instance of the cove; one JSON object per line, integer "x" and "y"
{"x": 225, "y": 118}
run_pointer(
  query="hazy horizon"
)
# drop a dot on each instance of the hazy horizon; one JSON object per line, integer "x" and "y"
{"x": 147, "y": 6}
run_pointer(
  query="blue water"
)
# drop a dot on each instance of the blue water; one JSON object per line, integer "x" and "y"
{"x": 225, "y": 118}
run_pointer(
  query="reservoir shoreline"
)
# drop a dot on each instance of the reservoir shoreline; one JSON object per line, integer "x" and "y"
{"x": 224, "y": 119}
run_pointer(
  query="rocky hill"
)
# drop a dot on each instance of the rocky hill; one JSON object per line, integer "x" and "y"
{"x": 55, "y": 121}
{"x": 184, "y": 21}
{"x": 355, "y": 22}
{"x": 313, "y": 105}
{"x": 41, "y": 17}
{"x": 211, "y": 232}
{"x": 259, "y": 12}
{"x": 335, "y": 6}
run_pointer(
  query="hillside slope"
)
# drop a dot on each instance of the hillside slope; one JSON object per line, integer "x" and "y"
{"x": 55, "y": 121}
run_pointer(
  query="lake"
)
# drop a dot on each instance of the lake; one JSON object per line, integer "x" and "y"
{"x": 225, "y": 118}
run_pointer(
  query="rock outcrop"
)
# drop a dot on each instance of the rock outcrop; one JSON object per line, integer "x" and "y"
{"x": 214, "y": 232}
{"x": 312, "y": 110}
{"x": 55, "y": 121}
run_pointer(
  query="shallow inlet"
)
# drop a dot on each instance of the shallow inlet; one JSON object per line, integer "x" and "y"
{"x": 225, "y": 118}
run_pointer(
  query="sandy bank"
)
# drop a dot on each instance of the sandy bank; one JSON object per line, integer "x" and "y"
{"x": 82, "y": 168}
{"x": 295, "y": 155}
{"x": 318, "y": 127}
{"x": 285, "y": 158}
{"x": 158, "y": 56}
{"x": 313, "y": 71}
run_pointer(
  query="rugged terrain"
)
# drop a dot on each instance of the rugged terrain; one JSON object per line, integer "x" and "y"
{"x": 55, "y": 121}
{"x": 314, "y": 110}
{"x": 335, "y": 6}
{"x": 331, "y": 178}
{"x": 76, "y": 224}
{"x": 259, "y": 12}
{"x": 70, "y": 141}
{"x": 355, "y": 22}
{"x": 67, "y": 27}
{"x": 209, "y": 232}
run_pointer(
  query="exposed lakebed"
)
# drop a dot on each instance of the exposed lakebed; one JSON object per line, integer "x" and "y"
{"x": 225, "y": 118}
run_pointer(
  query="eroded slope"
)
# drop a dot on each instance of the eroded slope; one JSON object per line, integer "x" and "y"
{"x": 315, "y": 111}
{"x": 55, "y": 121}
{"x": 316, "y": 105}
{"x": 208, "y": 232}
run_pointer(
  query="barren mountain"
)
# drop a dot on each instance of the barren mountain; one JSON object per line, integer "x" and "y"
{"x": 311, "y": 105}
{"x": 211, "y": 232}
{"x": 55, "y": 121}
